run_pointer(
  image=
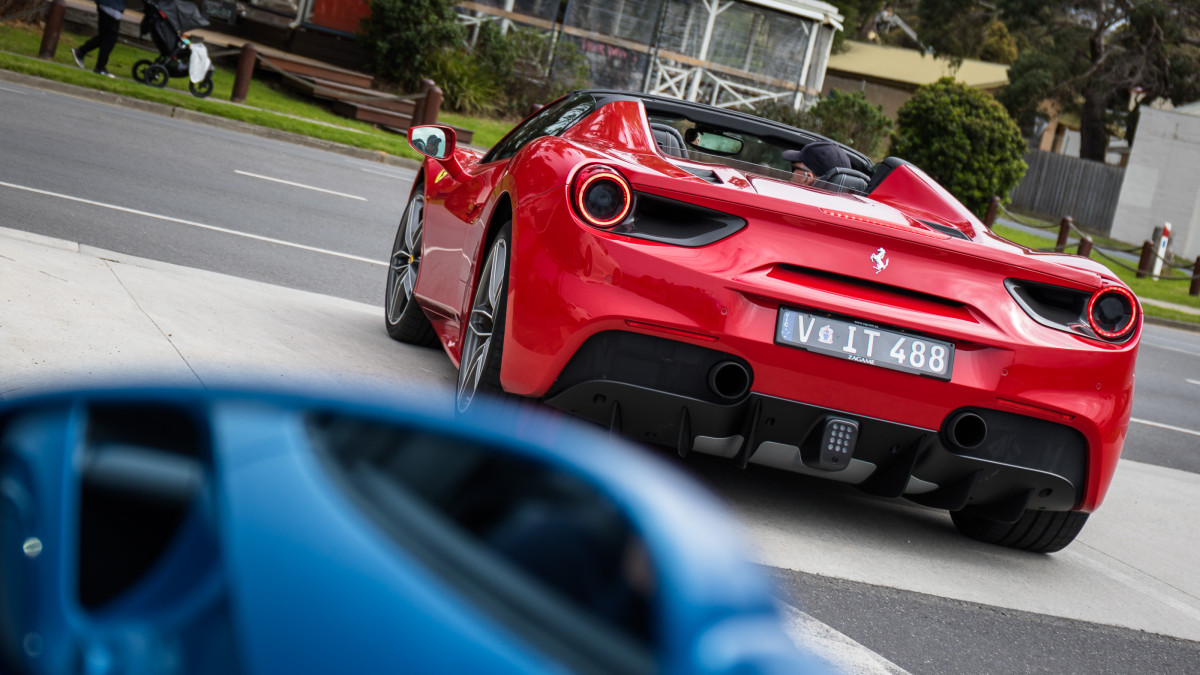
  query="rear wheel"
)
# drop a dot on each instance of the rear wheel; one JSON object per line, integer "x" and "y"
{"x": 202, "y": 88}
{"x": 483, "y": 342}
{"x": 156, "y": 75}
{"x": 405, "y": 321}
{"x": 1037, "y": 531}
{"x": 139, "y": 69}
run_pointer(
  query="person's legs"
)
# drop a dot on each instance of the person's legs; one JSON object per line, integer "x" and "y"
{"x": 110, "y": 30}
{"x": 86, "y": 47}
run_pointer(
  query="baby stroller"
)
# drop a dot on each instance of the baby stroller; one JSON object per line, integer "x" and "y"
{"x": 178, "y": 56}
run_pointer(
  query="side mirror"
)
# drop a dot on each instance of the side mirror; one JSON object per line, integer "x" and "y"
{"x": 432, "y": 140}
{"x": 439, "y": 143}
{"x": 221, "y": 531}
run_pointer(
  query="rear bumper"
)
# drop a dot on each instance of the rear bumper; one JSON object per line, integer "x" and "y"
{"x": 661, "y": 391}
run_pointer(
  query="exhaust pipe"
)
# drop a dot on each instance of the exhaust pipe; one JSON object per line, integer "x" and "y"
{"x": 966, "y": 430}
{"x": 729, "y": 380}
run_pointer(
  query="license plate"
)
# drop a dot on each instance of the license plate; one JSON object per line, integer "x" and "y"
{"x": 865, "y": 343}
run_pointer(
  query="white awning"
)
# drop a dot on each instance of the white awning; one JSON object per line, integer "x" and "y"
{"x": 821, "y": 12}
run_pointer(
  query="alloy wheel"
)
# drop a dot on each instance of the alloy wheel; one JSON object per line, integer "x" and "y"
{"x": 477, "y": 345}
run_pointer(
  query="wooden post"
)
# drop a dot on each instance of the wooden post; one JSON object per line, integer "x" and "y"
{"x": 245, "y": 72}
{"x": 992, "y": 210}
{"x": 1085, "y": 246}
{"x": 418, "y": 115}
{"x": 1194, "y": 289}
{"x": 54, "y": 22}
{"x": 431, "y": 105}
{"x": 1064, "y": 233}
{"x": 1147, "y": 259}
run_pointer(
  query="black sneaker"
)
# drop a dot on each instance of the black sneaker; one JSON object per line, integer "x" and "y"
{"x": 106, "y": 74}
{"x": 78, "y": 59}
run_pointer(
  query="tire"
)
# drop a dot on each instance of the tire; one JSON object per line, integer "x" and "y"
{"x": 139, "y": 69}
{"x": 202, "y": 88}
{"x": 1036, "y": 531}
{"x": 403, "y": 317}
{"x": 483, "y": 340}
{"x": 156, "y": 75}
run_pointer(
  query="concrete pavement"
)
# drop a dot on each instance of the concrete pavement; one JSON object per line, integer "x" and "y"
{"x": 76, "y": 315}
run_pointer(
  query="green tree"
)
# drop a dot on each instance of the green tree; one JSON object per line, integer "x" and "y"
{"x": 402, "y": 40}
{"x": 844, "y": 117}
{"x": 1086, "y": 56}
{"x": 964, "y": 139}
{"x": 858, "y": 20}
{"x": 998, "y": 45}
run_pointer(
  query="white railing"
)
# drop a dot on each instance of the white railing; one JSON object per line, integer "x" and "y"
{"x": 673, "y": 80}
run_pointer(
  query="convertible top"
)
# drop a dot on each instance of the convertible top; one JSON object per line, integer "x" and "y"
{"x": 770, "y": 130}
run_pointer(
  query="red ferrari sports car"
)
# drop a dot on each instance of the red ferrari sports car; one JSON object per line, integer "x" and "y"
{"x": 653, "y": 265}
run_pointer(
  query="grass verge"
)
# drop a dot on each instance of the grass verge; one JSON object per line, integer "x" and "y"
{"x": 1172, "y": 287}
{"x": 268, "y": 103}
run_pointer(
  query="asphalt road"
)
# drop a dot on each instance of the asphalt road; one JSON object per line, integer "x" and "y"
{"x": 197, "y": 195}
{"x": 212, "y": 199}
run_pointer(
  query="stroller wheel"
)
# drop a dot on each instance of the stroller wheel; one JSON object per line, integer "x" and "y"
{"x": 202, "y": 88}
{"x": 156, "y": 76}
{"x": 139, "y": 69}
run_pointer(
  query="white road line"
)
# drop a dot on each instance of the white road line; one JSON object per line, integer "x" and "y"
{"x": 389, "y": 174}
{"x": 1195, "y": 382}
{"x": 1172, "y": 349}
{"x": 840, "y": 651}
{"x": 214, "y": 228}
{"x": 1139, "y": 585}
{"x": 15, "y": 91}
{"x": 1160, "y": 425}
{"x": 300, "y": 185}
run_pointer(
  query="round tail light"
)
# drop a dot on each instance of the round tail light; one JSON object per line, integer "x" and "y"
{"x": 1112, "y": 313}
{"x": 601, "y": 196}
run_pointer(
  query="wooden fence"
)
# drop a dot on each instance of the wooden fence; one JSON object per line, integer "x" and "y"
{"x": 1057, "y": 185}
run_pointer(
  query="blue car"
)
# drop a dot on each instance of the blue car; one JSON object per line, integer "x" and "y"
{"x": 149, "y": 530}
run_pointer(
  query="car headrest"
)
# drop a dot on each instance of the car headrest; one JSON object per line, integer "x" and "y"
{"x": 669, "y": 140}
{"x": 841, "y": 179}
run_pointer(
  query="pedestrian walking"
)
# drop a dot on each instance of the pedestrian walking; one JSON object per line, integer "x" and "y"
{"x": 108, "y": 23}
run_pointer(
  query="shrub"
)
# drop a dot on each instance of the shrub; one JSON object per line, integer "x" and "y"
{"x": 964, "y": 139}
{"x": 467, "y": 84}
{"x": 844, "y": 117}
{"x": 403, "y": 39}
{"x": 507, "y": 73}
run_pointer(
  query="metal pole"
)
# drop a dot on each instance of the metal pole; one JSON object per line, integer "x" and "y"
{"x": 245, "y": 72}
{"x": 713, "y": 10}
{"x": 1064, "y": 233}
{"x": 803, "y": 87}
{"x": 54, "y": 22}
{"x": 658, "y": 26}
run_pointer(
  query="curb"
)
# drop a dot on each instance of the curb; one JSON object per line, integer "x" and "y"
{"x": 204, "y": 118}
{"x": 1172, "y": 323}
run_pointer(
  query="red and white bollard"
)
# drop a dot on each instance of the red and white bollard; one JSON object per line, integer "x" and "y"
{"x": 1161, "y": 252}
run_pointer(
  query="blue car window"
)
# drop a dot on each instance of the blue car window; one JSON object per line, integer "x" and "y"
{"x": 433, "y": 495}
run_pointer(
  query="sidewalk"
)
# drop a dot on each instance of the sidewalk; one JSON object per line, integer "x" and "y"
{"x": 77, "y": 316}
